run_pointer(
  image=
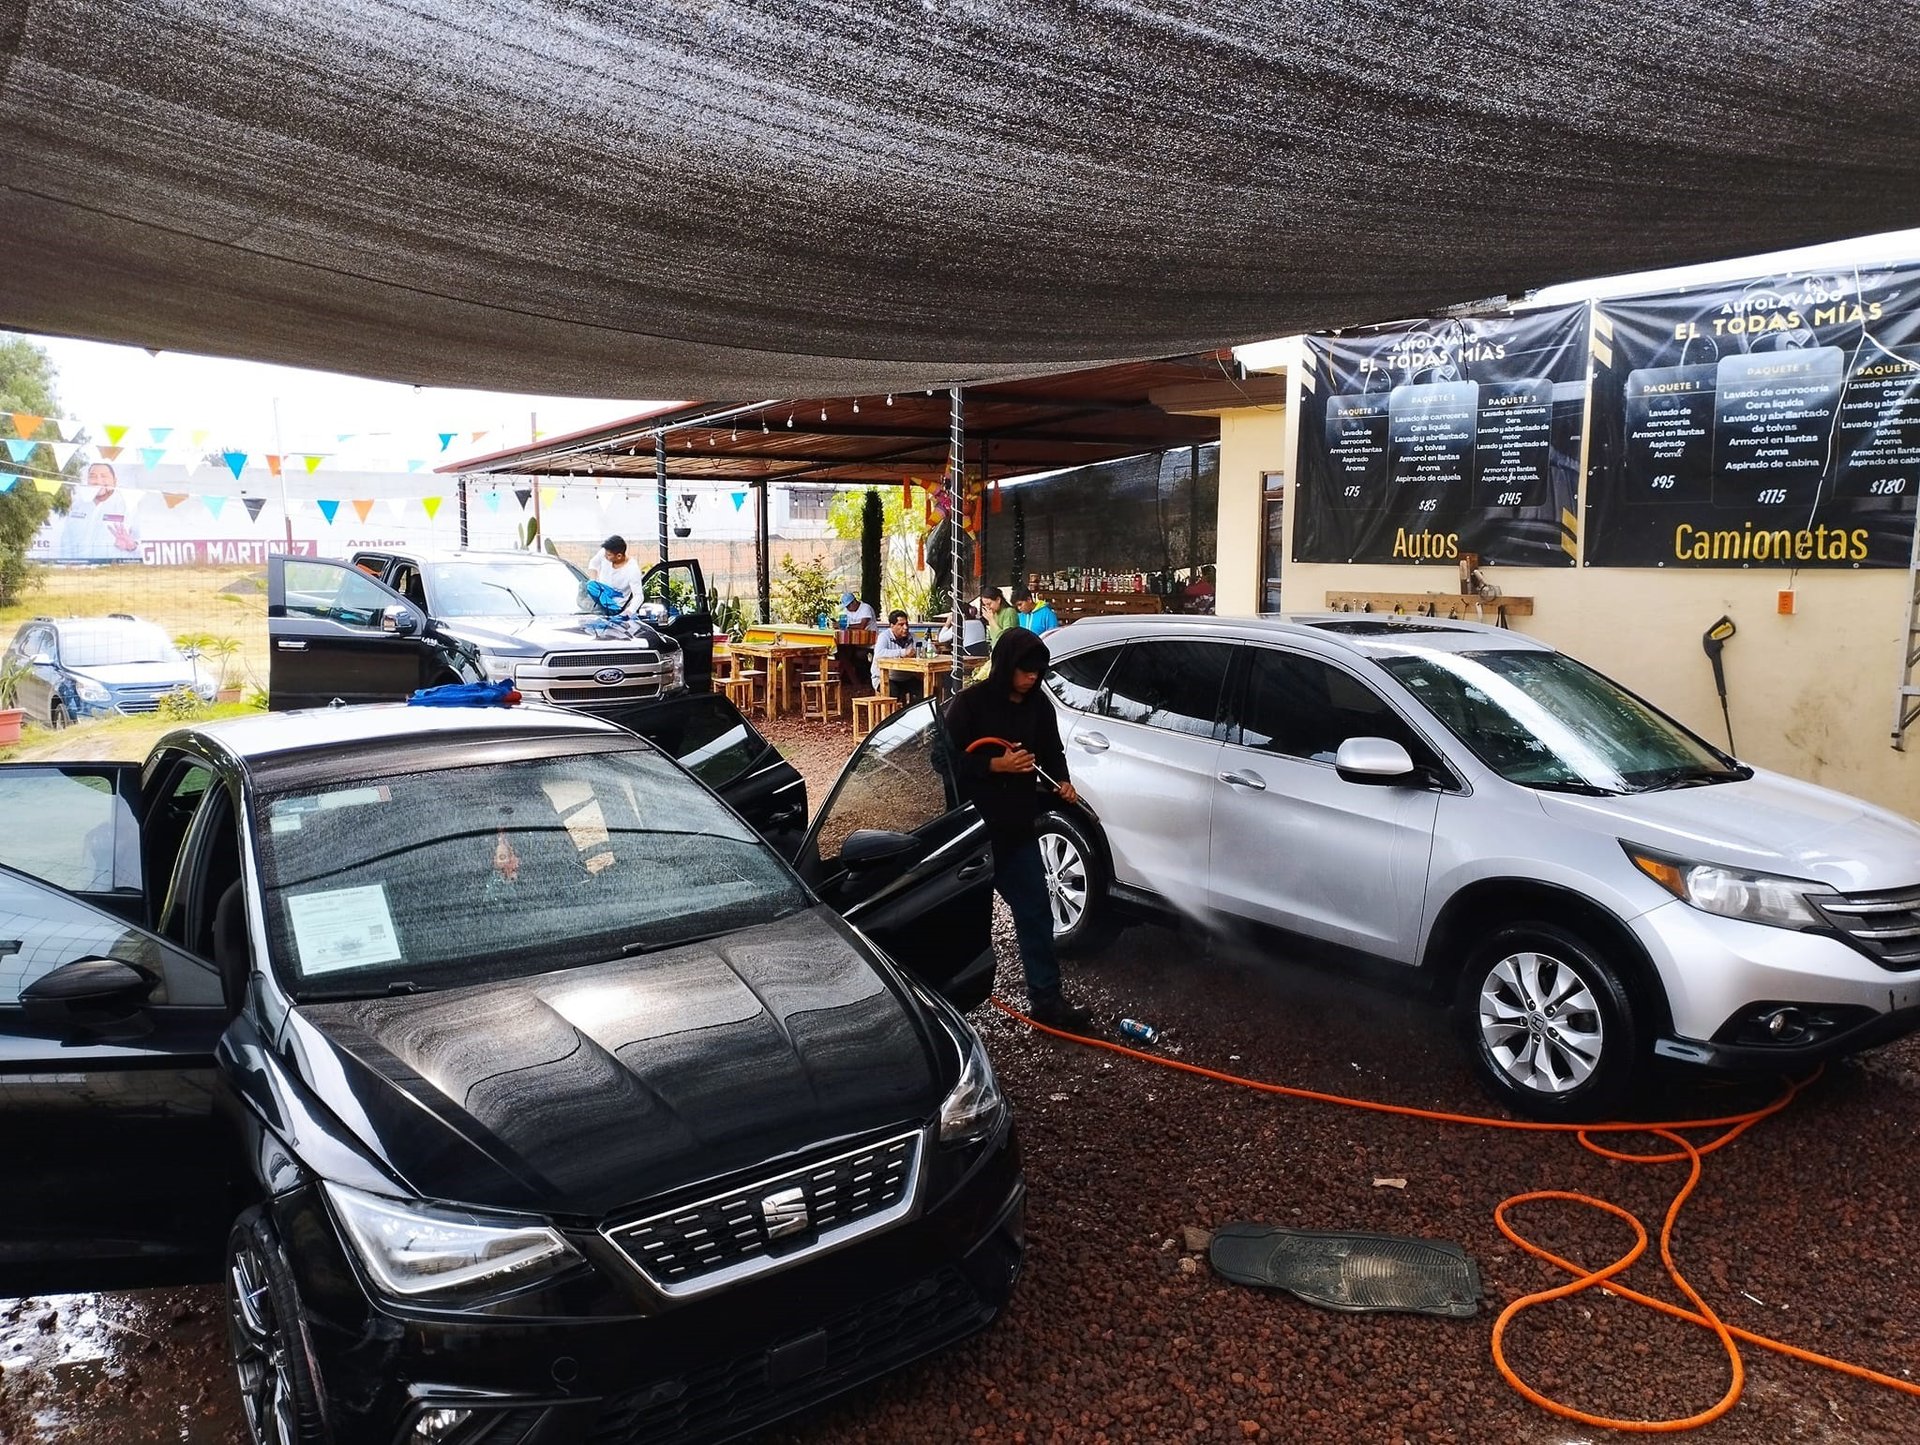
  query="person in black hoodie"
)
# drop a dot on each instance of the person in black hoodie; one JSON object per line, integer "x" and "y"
{"x": 1003, "y": 784}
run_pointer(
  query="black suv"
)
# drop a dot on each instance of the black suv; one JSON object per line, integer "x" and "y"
{"x": 378, "y": 626}
{"x": 518, "y": 1091}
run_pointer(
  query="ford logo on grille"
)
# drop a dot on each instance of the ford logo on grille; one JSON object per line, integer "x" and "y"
{"x": 609, "y": 676}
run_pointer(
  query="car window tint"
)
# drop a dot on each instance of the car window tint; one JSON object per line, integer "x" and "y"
{"x": 897, "y": 781}
{"x": 1169, "y": 684}
{"x": 706, "y": 733}
{"x": 42, "y": 928}
{"x": 84, "y": 837}
{"x": 334, "y": 593}
{"x": 1305, "y": 708}
{"x": 1076, "y": 680}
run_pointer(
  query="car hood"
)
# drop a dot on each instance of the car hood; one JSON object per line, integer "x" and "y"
{"x": 587, "y": 1090}
{"x": 137, "y": 674}
{"x": 1767, "y": 824}
{"x": 531, "y": 636}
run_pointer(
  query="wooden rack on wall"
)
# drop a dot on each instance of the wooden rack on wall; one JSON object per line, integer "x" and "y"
{"x": 1434, "y": 604}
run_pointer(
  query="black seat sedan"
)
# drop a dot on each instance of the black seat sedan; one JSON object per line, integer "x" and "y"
{"x": 518, "y": 1090}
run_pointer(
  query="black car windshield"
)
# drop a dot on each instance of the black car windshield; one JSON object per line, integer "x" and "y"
{"x": 537, "y": 587}
{"x": 108, "y": 644}
{"x": 435, "y": 879}
{"x": 1543, "y": 720}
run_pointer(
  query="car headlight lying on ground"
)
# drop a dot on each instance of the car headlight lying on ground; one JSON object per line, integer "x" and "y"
{"x": 87, "y": 690}
{"x": 1731, "y": 893}
{"x": 974, "y": 1106}
{"x": 440, "y": 1255}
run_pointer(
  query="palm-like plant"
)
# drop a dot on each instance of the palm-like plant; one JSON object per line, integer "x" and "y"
{"x": 13, "y": 672}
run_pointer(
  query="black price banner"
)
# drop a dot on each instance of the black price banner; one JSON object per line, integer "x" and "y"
{"x": 1767, "y": 422}
{"x": 1424, "y": 440}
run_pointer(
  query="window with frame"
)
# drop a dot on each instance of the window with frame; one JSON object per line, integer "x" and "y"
{"x": 1076, "y": 681}
{"x": 1170, "y": 684}
{"x": 809, "y": 504}
{"x": 1303, "y": 707}
{"x": 333, "y": 593}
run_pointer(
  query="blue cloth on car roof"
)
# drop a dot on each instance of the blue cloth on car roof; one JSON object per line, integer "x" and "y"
{"x": 466, "y": 694}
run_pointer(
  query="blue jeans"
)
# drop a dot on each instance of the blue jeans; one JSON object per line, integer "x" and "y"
{"x": 1021, "y": 878}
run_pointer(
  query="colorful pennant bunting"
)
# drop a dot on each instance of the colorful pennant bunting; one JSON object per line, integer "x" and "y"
{"x": 47, "y": 485}
{"x": 20, "y": 450}
{"x": 111, "y": 454}
{"x": 446, "y": 438}
{"x": 215, "y": 504}
{"x": 523, "y": 495}
{"x": 313, "y": 463}
{"x": 25, "y": 423}
{"x": 236, "y": 462}
{"x": 62, "y": 452}
{"x": 363, "y": 505}
{"x": 492, "y": 499}
{"x": 415, "y": 463}
{"x": 199, "y": 437}
{"x": 7, "y": 479}
{"x": 159, "y": 434}
{"x": 739, "y": 500}
{"x": 174, "y": 499}
{"x": 115, "y": 434}
{"x": 432, "y": 504}
{"x": 549, "y": 495}
{"x": 254, "y": 506}
{"x": 273, "y": 463}
{"x": 328, "y": 507}
{"x": 151, "y": 457}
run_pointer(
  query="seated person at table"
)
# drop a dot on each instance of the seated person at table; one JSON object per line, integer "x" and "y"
{"x": 858, "y": 614}
{"x": 973, "y": 635}
{"x": 1035, "y": 615}
{"x": 896, "y": 641}
{"x": 996, "y": 612}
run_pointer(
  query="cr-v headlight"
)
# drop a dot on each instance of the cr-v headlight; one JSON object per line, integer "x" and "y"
{"x": 437, "y": 1255}
{"x": 1731, "y": 893}
{"x": 974, "y": 1106}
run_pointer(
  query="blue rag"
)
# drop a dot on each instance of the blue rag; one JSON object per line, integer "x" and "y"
{"x": 466, "y": 694}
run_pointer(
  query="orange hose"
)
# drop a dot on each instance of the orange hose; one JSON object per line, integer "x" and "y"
{"x": 1732, "y": 1126}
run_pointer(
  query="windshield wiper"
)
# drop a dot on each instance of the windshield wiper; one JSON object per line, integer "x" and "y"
{"x": 1572, "y": 785}
{"x": 1696, "y": 776}
{"x": 518, "y": 601}
{"x": 635, "y": 949}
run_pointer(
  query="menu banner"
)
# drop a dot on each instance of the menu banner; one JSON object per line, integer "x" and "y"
{"x": 1425, "y": 440}
{"x": 1771, "y": 422}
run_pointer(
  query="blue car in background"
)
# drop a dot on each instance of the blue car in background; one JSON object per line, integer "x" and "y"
{"x": 97, "y": 667}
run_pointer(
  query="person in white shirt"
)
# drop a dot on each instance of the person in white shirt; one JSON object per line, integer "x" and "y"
{"x": 613, "y": 569}
{"x": 973, "y": 635}
{"x": 896, "y": 641}
{"x": 859, "y": 614}
{"x": 98, "y": 526}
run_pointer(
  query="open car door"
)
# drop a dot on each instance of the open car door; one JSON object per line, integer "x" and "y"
{"x": 681, "y": 587}
{"x": 899, "y": 855}
{"x": 333, "y": 632}
{"x": 85, "y": 831}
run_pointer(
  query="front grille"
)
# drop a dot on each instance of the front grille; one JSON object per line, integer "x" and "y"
{"x": 629, "y": 660}
{"x": 735, "y": 1395}
{"x": 774, "y": 1221}
{"x": 137, "y": 704}
{"x": 1884, "y": 926}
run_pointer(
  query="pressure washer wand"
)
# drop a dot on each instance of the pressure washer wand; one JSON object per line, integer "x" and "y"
{"x": 1712, "y": 641}
{"x": 1041, "y": 772}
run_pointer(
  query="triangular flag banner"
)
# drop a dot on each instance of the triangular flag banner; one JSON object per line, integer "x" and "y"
{"x": 492, "y": 500}
{"x": 236, "y": 462}
{"x": 363, "y": 506}
{"x": 7, "y": 479}
{"x": 415, "y": 463}
{"x": 200, "y": 437}
{"x": 115, "y": 434}
{"x": 327, "y": 509}
{"x": 548, "y": 495}
{"x": 48, "y": 485}
{"x": 477, "y": 435}
{"x": 159, "y": 434}
{"x": 25, "y": 423}
{"x": 739, "y": 500}
{"x": 63, "y": 452}
{"x": 273, "y": 463}
{"x": 345, "y": 436}
{"x": 397, "y": 505}
{"x": 20, "y": 450}
{"x": 523, "y": 495}
{"x": 446, "y": 439}
{"x": 313, "y": 463}
{"x": 214, "y": 504}
{"x": 111, "y": 454}
{"x": 432, "y": 504}
{"x": 150, "y": 457}
{"x": 254, "y": 506}
{"x": 174, "y": 499}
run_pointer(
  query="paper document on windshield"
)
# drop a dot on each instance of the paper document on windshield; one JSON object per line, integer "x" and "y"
{"x": 343, "y": 928}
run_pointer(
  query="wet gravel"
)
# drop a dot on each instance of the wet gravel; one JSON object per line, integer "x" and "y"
{"x": 1804, "y": 1229}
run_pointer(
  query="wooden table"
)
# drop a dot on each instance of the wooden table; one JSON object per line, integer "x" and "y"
{"x": 927, "y": 671}
{"x": 780, "y": 658}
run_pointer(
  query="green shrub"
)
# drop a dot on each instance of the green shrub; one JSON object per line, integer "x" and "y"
{"x": 183, "y": 704}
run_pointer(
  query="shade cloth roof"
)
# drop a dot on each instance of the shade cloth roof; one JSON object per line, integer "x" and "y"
{"x": 1012, "y": 429}
{"x": 785, "y": 196}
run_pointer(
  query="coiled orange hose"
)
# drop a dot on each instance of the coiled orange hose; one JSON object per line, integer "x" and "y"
{"x": 1732, "y": 1126}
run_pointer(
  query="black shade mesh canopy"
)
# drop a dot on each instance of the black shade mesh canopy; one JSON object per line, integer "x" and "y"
{"x": 606, "y": 197}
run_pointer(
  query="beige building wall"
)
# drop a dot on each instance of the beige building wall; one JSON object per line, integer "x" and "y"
{"x": 1811, "y": 694}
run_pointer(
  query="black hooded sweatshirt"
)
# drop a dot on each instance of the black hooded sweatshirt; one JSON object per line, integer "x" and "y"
{"x": 1008, "y": 802}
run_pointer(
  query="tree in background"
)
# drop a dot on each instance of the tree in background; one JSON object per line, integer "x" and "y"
{"x": 873, "y": 522}
{"x": 902, "y": 583}
{"x": 805, "y": 592}
{"x": 27, "y": 386}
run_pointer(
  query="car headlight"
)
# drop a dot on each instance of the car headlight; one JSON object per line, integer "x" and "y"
{"x": 498, "y": 669}
{"x": 436, "y": 1254}
{"x": 676, "y": 669}
{"x": 1731, "y": 893}
{"x": 974, "y": 1106}
{"x": 90, "y": 691}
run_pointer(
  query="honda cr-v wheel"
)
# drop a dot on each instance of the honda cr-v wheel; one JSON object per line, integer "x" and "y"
{"x": 271, "y": 1353}
{"x": 1551, "y": 1024}
{"x": 1076, "y": 884}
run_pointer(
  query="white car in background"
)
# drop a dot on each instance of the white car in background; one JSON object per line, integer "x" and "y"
{"x": 1596, "y": 884}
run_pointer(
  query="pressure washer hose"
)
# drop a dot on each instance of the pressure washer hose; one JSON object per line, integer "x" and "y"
{"x": 1732, "y": 1127}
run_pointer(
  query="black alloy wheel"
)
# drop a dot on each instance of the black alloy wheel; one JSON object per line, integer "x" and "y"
{"x": 272, "y": 1355}
{"x": 1076, "y": 878}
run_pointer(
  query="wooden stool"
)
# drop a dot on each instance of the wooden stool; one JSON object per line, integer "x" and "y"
{"x": 870, "y": 712}
{"x": 755, "y": 682}
{"x": 738, "y": 691}
{"x": 820, "y": 698}
{"x": 722, "y": 666}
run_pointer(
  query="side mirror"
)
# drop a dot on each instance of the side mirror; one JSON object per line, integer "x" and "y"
{"x": 867, "y": 846}
{"x": 41, "y": 659}
{"x": 400, "y": 621}
{"x": 653, "y": 612}
{"x": 1374, "y": 760}
{"x": 86, "y": 993}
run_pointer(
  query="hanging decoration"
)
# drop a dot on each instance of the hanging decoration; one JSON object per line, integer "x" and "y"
{"x": 110, "y": 454}
{"x": 273, "y": 464}
{"x": 215, "y": 505}
{"x": 523, "y": 495}
{"x": 492, "y": 499}
{"x": 236, "y": 462}
{"x": 115, "y": 434}
{"x": 432, "y": 504}
{"x": 313, "y": 463}
{"x": 151, "y": 457}
{"x": 739, "y": 500}
{"x": 174, "y": 499}
{"x": 25, "y": 423}
{"x": 254, "y": 506}
{"x": 362, "y": 506}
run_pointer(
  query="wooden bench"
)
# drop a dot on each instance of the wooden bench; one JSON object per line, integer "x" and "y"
{"x": 739, "y": 690}
{"x": 870, "y": 712}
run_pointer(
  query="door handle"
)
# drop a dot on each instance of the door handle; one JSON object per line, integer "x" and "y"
{"x": 1092, "y": 742}
{"x": 1245, "y": 780}
{"x": 285, "y": 645}
{"x": 973, "y": 868}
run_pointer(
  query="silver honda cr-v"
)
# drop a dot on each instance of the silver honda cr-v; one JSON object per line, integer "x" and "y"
{"x": 1596, "y": 883}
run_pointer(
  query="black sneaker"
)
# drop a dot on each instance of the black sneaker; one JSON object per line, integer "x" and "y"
{"x": 1056, "y": 1013}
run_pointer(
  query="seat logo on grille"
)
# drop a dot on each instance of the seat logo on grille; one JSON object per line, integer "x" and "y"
{"x": 784, "y": 1213}
{"x": 610, "y": 676}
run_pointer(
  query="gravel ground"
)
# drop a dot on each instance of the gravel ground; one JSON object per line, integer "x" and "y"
{"x": 1117, "y": 1333}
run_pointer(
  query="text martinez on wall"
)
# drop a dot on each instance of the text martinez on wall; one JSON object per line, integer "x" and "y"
{"x": 1769, "y": 422}
{"x": 1424, "y": 440}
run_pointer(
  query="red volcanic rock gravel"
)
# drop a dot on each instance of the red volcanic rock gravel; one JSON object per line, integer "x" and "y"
{"x": 1804, "y": 1228}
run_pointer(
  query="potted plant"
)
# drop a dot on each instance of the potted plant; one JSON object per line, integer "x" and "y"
{"x": 12, "y": 674}
{"x": 224, "y": 649}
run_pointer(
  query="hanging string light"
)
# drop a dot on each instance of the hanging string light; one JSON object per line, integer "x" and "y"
{"x": 789, "y": 420}
{"x": 889, "y": 398}
{"x": 823, "y": 413}
{"x": 856, "y": 407}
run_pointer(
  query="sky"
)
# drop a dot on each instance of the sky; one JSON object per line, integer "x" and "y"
{"x": 358, "y": 424}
